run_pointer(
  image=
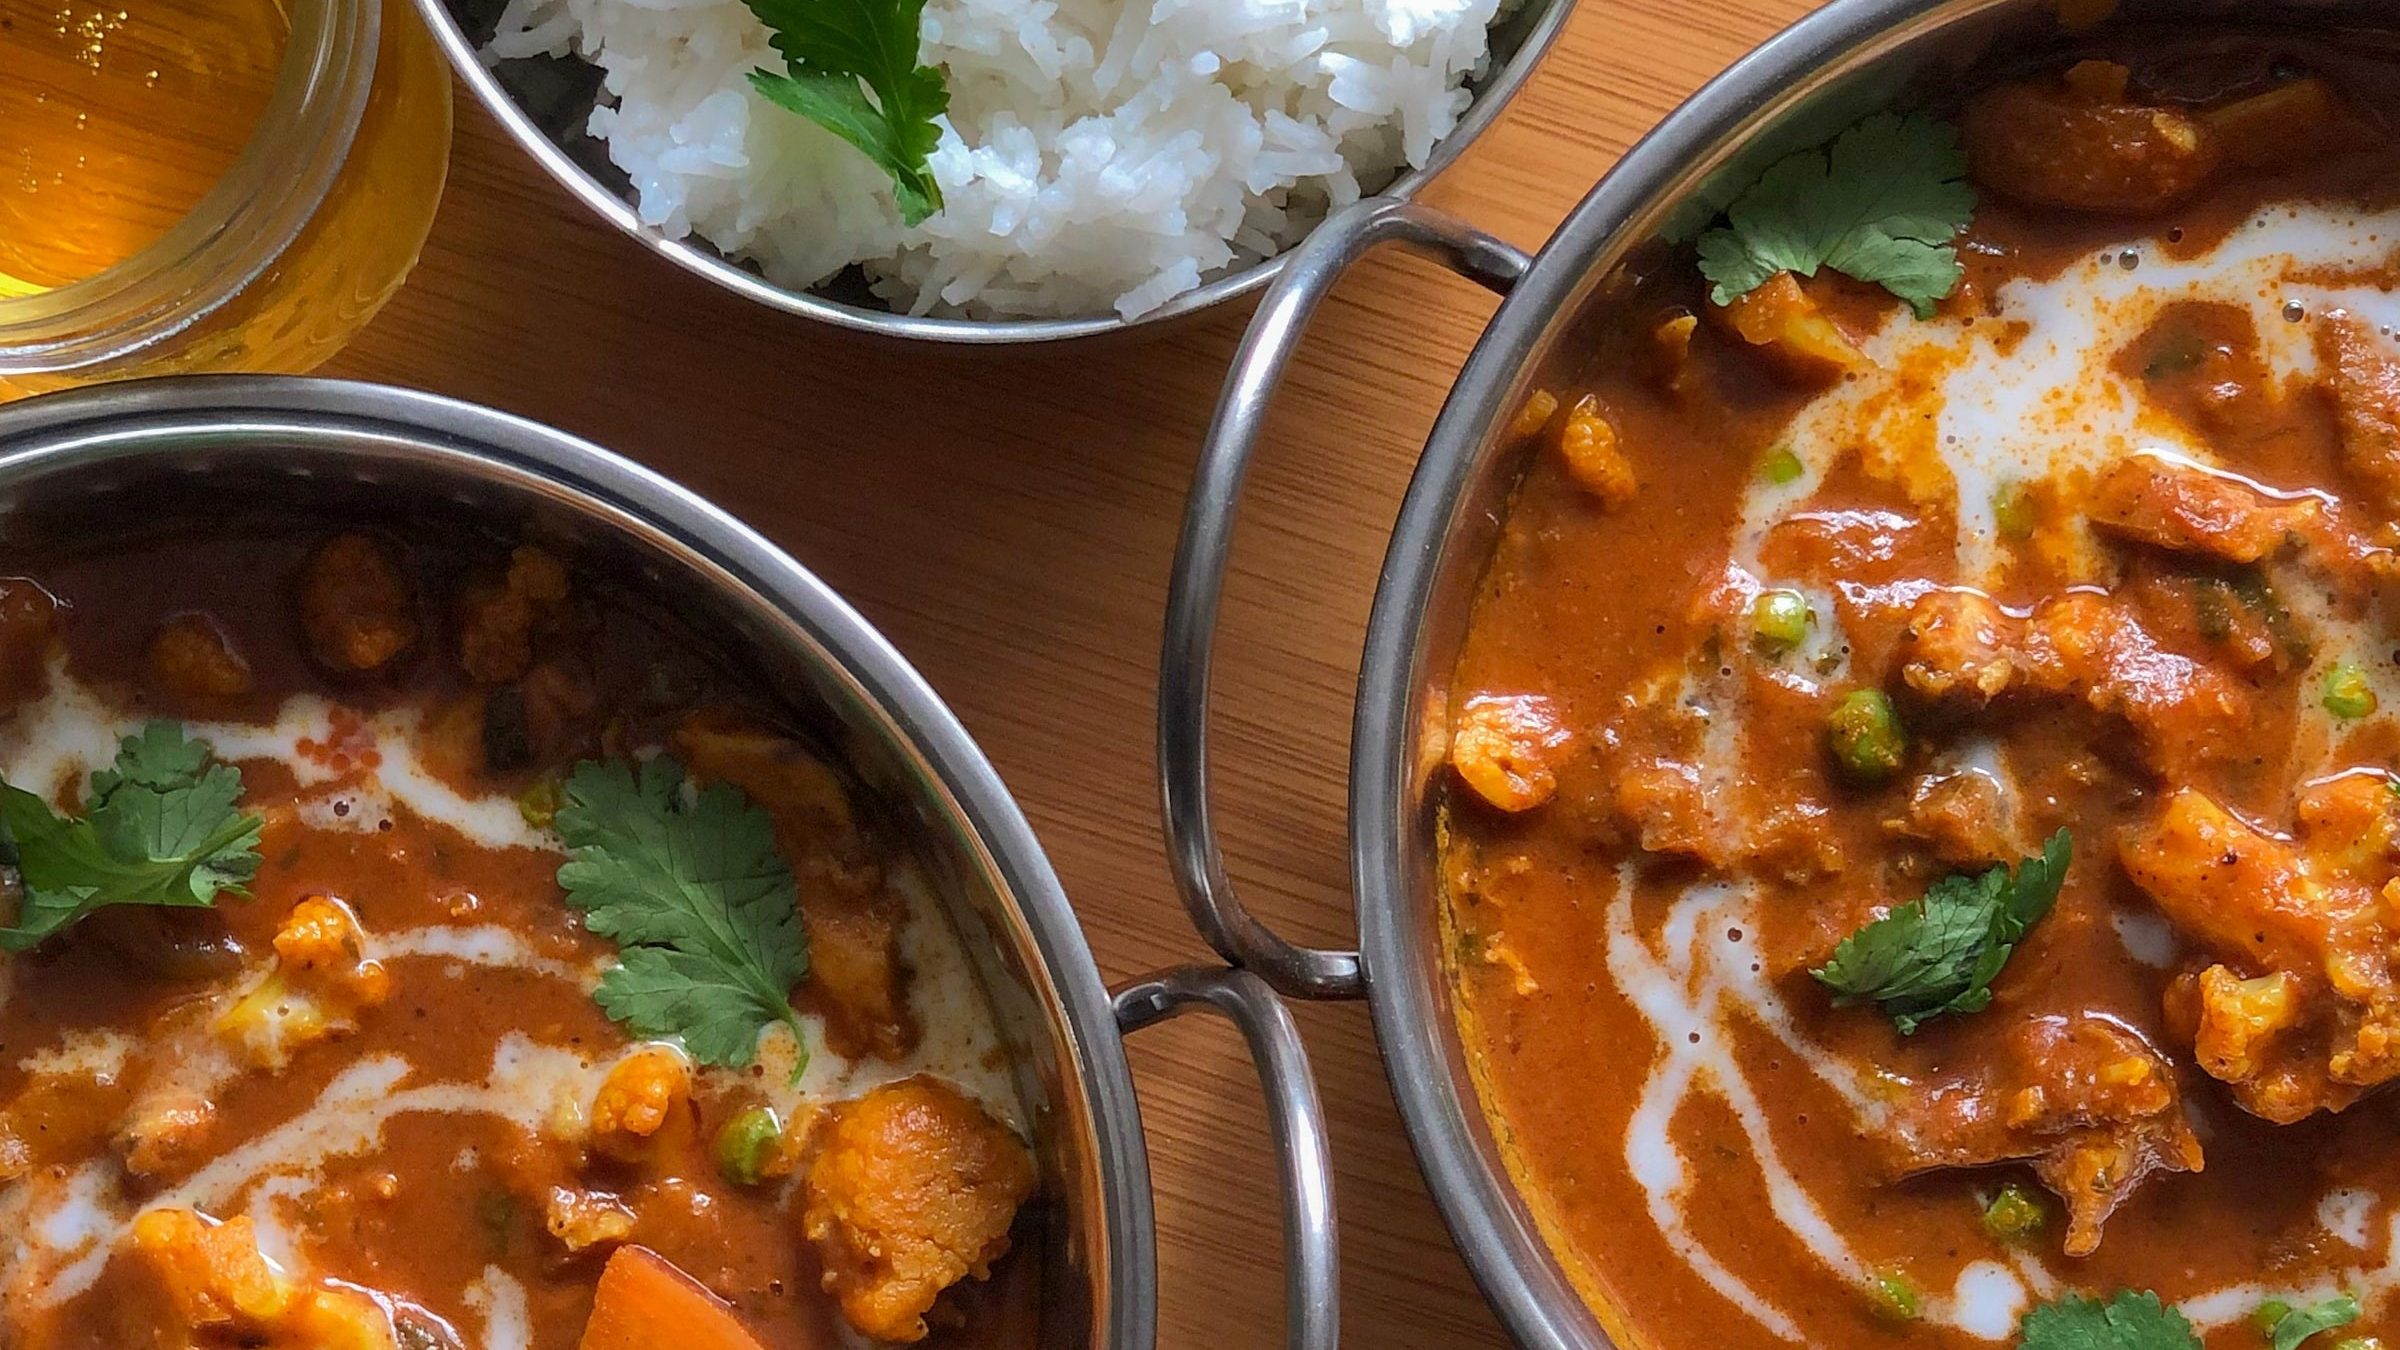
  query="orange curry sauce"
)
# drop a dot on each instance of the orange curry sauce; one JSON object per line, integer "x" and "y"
{"x": 2113, "y": 532}
{"x": 373, "y": 1105}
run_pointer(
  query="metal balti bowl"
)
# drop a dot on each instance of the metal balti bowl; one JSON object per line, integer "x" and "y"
{"x": 1845, "y": 60}
{"x": 545, "y": 103}
{"x": 75, "y": 468}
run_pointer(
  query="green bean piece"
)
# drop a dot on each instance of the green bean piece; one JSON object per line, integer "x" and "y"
{"x": 1779, "y": 620}
{"x": 1866, "y": 737}
{"x": 746, "y": 1143}
{"x": 2015, "y": 1214}
{"x": 2348, "y": 696}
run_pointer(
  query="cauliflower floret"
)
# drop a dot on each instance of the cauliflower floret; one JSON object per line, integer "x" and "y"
{"x": 2297, "y": 1006}
{"x": 641, "y": 1092}
{"x": 914, "y": 1190}
{"x": 1587, "y": 441}
{"x": 321, "y": 980}
{"x": 584, "y": 1219}
{"x": 1961, "y": 644}
{"x": 356, "y": 605}
{"x": 497, "y": 619}
{"x": 1503, "y": 747}
{"x": 1778, "y": 317}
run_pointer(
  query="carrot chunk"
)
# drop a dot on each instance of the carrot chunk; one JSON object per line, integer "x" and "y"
{"x": 645, "y": 1302}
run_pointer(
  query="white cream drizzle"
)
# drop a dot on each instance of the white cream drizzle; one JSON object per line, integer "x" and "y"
{"x": 507, "y": 1316}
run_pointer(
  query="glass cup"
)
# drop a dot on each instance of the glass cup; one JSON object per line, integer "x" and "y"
{"x": 315, "y": 224}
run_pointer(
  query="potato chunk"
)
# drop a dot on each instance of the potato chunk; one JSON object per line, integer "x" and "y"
{"x": 356, "y": 605}
{"x": 215, "y": 1279}
{"x": 2184, "y": 508}
{"x": 2072, "y": 145}
{"x": 2295, "y": 1004}
{"x": 192, "y": 660}
{"x": 914, "y": 1190}
{"x": 2089, "y": 1106}
{"x": 2365, "y": 375}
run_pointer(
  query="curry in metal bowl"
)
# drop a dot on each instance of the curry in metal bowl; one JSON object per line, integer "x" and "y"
{"x": 418, "y": 939}
{"x": 1923, "y": 834}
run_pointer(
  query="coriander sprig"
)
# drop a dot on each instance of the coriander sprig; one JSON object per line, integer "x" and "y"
{"x": 159, "y": 828}
{"x": 1884, "y": 203}
{"x": 2127, "y": 1320}
{"x": 839, "y": 52}
{"x": 1941, "y": 953}
{"x": 698, "y": 900}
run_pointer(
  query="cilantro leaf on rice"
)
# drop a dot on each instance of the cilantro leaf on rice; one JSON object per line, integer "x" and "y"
{"x": 852, "y": 69}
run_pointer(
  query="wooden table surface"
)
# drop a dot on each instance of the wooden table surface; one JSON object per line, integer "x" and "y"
{"x": 1007, "y": 519}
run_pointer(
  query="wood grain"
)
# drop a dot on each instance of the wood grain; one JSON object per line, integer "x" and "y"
{"x": 1007, "y": 518}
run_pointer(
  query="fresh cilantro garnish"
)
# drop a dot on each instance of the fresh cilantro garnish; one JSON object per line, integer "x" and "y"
{"x": 829, "y": 48}
{"x": 2285, "y": 1326}
{"x": 1883, "y": 203}
{"x": 1940, "y": 954}
{"x": 159, "y": 829}
{"x": 700, "y": 904}
{"x": 2128, "y": 1321}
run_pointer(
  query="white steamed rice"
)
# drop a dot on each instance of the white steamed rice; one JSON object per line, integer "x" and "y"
{"x": 1098, "y": 154}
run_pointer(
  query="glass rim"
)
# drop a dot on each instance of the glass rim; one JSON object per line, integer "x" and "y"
{"x": 245, "y": 222}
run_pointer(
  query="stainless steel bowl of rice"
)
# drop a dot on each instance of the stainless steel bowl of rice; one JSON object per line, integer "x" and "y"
{"x": 1102, "y": 165}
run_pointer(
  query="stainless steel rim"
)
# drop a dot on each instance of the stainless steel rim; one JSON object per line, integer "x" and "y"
{"x": 649, "y": 504}
{"x": 1502, "y": 86}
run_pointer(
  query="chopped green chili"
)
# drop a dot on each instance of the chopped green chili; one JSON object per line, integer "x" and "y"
{"x": 1782, "y": 466}
{"x": 2014, "y": 512}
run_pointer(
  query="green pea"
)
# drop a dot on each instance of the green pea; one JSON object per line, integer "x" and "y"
{"x": 1866, "y": 737}
{"x": 1894, "y": 1296}
{"x": 2348, "y": 696}
{"x": 2015, "y": 1214}
{"x": 746, "y": 1143}
{"x": 1779, "y": 620}
{"x": 539, "y": 803}
{"x": 1781, "y": 466}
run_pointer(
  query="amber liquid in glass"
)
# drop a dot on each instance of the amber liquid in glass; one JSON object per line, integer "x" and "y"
{"x": 116, "y": 118}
